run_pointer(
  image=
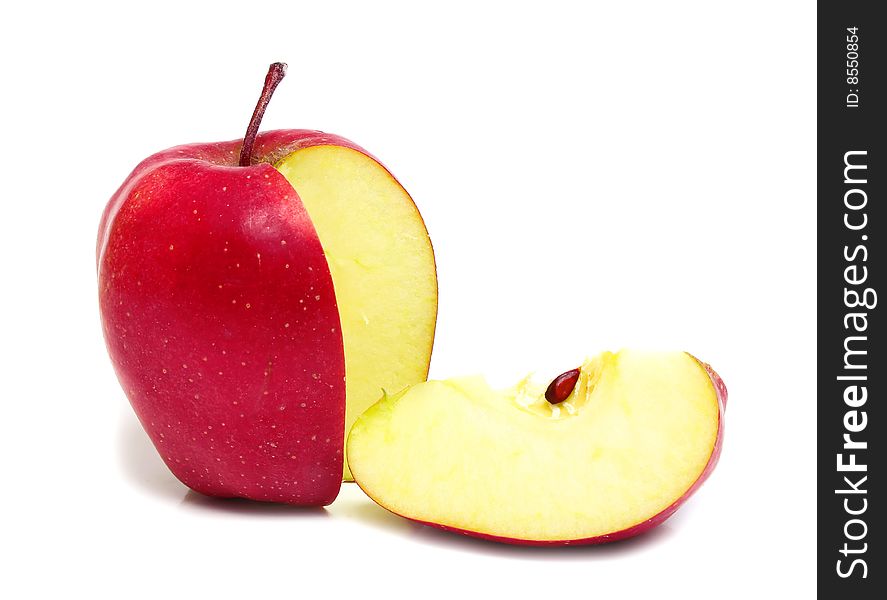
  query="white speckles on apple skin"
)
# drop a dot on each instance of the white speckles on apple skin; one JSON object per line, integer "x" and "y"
{"x": 181, "y": 313}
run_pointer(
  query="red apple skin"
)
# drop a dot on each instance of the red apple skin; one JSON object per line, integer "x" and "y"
{"x": 634, "y": 530}
{"x": 221, "y": 321}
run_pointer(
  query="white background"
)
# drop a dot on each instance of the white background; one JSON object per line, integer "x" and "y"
{"x": 634, "y": 174}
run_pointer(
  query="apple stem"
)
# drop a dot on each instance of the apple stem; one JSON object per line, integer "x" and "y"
{"x": 562, "y": 386}
{"x": 275, "y": 74}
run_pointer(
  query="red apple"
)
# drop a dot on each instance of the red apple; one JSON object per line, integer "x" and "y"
{"x": 223, "y": 318}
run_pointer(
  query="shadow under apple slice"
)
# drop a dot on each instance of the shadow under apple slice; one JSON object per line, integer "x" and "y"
{"x": 427, "y": 534}
{"x": 368, "y": 512}
{"x": 353, "y": 504}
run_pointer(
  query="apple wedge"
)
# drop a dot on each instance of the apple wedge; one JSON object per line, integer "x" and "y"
{"x": 603, "y": 454}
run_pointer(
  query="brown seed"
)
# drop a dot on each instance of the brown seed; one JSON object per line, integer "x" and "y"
{"x": 562, "y": 386}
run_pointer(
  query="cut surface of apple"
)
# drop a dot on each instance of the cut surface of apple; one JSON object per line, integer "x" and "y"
{"x": 636, "y": 436}
{"x": 382, "y": 265}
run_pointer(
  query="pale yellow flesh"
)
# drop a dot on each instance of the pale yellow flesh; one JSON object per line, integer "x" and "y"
{"x": 382, "y": 266}
{"x": 460, "y": 454}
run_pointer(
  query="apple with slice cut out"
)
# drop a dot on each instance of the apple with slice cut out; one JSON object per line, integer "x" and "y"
{"x": 255, "y": 296}
{"x": 606, "y": 452}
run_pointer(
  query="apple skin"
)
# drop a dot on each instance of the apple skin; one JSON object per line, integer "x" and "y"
{"x": 270, "y": 147}
{"x": 220, "y": 317}
{"x": 642, "y": 527}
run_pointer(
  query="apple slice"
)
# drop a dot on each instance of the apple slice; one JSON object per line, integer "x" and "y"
{"x": 606, "y": 458}
{"x": 382, "y": 266}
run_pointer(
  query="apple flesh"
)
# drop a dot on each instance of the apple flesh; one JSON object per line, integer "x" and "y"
{"x": 382, "y": 266}
{"x": 635, "y": 437}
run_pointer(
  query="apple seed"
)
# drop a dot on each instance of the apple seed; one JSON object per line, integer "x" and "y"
{"x": 562, "y": 386}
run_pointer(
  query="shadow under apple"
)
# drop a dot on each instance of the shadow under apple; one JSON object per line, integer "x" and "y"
{"x": 242, "y": 506}
{"x": 141, "y": 464}
{"x": 144, "y": 468}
